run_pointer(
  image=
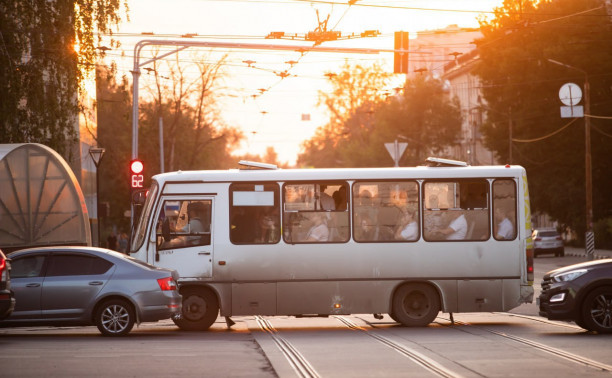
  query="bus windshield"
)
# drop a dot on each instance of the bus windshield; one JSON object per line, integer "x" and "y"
{"x": 139, "y": 232}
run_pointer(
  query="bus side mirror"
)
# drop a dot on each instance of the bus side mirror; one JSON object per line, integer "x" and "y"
{"x": 139, "y": 197}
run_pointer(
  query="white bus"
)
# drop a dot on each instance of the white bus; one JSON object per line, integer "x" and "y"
{"x": 408, "y": 242}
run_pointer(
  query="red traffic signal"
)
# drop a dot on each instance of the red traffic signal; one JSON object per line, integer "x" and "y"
{"x": 136, "y": 166}
{"x": 136, "y": 174}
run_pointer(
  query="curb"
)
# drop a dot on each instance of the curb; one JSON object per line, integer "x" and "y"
{"x": 584, "y": 255}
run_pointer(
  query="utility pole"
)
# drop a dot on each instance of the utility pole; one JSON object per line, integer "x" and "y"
{"x": 589, "y": 235}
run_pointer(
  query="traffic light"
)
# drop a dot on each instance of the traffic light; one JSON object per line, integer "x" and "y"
{"x": 136, "y": 174}
{"x": 400, "y": 60}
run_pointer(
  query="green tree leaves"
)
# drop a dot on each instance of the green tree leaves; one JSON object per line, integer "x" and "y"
{"x": 520, "y": 89}
{"x": 363, "y": 120}
{"x": 40, "y": 70}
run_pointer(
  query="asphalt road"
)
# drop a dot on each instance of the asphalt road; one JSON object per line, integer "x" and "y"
{"x": 518, "y": 343}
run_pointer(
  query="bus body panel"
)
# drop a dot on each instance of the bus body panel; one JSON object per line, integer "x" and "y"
{"x": 347, "y": 277}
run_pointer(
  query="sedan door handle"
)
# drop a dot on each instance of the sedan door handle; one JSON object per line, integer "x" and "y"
{"x": 33, "y": 285}
{"x": 204, "y": 253}
{"x": 96, "y": 283}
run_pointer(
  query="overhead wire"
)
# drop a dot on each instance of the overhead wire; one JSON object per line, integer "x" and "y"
{"x": 545, "y": 136}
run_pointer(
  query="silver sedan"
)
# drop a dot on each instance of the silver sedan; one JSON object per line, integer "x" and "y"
{"x": 85, "y": 286}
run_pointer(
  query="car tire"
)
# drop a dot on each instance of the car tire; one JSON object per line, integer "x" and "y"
{"x": 416, "y": 305}
{"x": 200, "y": 310}
{"x": 115, "y": 317}
{"x": 597, "y": 310}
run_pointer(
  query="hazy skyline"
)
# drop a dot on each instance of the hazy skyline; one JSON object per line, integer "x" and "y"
{"x": 275, "y": 118}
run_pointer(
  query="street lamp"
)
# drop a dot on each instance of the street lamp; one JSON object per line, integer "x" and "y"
{"x": 589, "y": 237}
{"x": 96, "y": 155}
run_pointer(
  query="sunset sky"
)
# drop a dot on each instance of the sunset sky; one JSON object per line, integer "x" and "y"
{"x": 275, "y": 118}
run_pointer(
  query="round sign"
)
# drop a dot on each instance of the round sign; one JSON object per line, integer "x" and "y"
{"x": 570, "y": 94}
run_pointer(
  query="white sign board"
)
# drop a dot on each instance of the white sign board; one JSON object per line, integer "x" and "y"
{"x": 396, "y": 150}
{"x": 572, "y": 111}
{"x": 570, "y": 94}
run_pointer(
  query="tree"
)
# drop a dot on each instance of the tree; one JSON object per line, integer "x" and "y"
{"x": 355, "y": 90}
{"x": 520, "y": 88}
{"x": 195, "y": 136}
{"x": 114, "y": 106}
{"x": 41, "y": 69}
{"x": 423, "y": 114}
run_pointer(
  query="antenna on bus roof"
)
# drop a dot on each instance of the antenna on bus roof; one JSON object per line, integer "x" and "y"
{"x": 256, "y": 165}
{"x": 439, "y": 162}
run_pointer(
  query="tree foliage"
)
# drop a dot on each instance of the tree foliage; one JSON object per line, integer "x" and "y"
{"x": 521, "y": 86}
{"x": 363, "y": 120}
{"x": 40, "y": 69}
{"x": 194, "y": 136}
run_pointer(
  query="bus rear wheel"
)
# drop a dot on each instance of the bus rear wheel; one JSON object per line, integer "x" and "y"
{"x": 200, "y": 310}
{"x": 416, "y": 305}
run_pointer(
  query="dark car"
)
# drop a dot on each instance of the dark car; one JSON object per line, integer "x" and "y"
{"x": 581, "y": 293}
{"x": 7, "y": 300}
{"x": 87, "y": 286}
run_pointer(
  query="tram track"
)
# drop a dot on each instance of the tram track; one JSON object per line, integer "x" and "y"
{"x": 541, "y": 320}
{"x": 418, "y": 358}
{"x": 539, "y": 346}
{"x": 298, "y": 362}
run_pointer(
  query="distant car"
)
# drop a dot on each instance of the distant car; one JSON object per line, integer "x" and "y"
{"x": 581, "y": 293}
{"x": 86, "y": 286}
{"x": 7, "y": 300}
{"x": 547, "y": 241}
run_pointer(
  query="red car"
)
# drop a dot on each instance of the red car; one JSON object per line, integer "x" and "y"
{"x": 7, "y": 300}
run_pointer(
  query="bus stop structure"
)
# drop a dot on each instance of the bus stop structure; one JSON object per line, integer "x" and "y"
{"x": 41, "y": 202}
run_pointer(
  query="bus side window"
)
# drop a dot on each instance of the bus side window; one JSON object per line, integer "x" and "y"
{"x": 386, "y": 211}
{"x": 184, "y": 224}
{"x": 254, "y": 213}
{"x": 315, "y": 212}
{"x": 504, "y": 209}
{"x": 456, "y": 210}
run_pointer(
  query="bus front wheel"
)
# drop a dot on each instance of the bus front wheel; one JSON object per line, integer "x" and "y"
{"x": 416, "y": 305}
{"x": 200, "y": 310}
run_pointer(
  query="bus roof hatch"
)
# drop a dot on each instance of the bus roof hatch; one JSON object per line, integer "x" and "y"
{"x": 439, "y": 162}
{"x": 256, "y": 165}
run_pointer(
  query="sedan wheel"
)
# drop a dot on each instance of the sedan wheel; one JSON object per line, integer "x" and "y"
{"x": 115, "y": 318}
{"x": 597, "y": 310}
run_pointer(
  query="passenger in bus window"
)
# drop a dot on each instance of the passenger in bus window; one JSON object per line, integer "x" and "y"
{"x": 195, "y": 212}
{"x": 503, "y": 224}
{"x": 407, "y": 229}
{"x": 432, "y": 218}
{"x": 268, "y": 227}
{"x": 318, "y": 232}
{"x": 339, "y": 197}
{"x": 457, "y": 226}
{"x": 366, "y": 229}
{"x": 326, "y": 201}
{"x": 195, "y": 215}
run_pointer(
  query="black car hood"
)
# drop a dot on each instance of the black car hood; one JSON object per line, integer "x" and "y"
{"x": 597, "y": 264}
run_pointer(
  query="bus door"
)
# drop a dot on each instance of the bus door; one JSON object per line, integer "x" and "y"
{"x": 184, "y": 234}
